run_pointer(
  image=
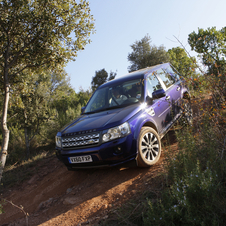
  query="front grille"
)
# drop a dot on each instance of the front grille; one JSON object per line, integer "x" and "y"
{"x": 81, "y": 140}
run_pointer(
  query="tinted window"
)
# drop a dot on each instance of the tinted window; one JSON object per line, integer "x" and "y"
{"x": 116, "y": 95}
{"x": 97, "y": 101}
{"x": 174, "y": 74}
{"x": 153, "y": 84}
{"x": 165, "y": 77}
{"x": 134, "y": 88}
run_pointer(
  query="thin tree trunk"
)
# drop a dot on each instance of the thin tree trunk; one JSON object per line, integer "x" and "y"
{"x": 5, "y": 131}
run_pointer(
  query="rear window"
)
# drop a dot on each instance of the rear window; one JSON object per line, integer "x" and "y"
{"x": 166, "y": 78}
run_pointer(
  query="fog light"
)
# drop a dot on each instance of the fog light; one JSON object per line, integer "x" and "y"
{"x": 118, "y": 150}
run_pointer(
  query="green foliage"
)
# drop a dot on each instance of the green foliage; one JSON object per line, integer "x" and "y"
{"x": 29, "y": 110}
{"x": 68, "y": 107}
{"x": 37, "y": 35}
{"x": 30, "y": 99}
{"x": 211, "y": 45}
{"x": 196, "y": 175}
{"x": 145, "y": 55}
{"x": 195, "y": 191}
{"x": 84, "y": 96}
{"x": 182, "y": 63}
{"x": 48, "y": 102}
{"x": 101, "y": 77}
{"x": 187, "y": 66}
{"x": 17, "y": 150}
{"x": 40, "y": 32}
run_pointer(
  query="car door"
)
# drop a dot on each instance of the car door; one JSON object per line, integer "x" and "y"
{"x": 160, "y": 107}
{"x": 172, "y": 89}
{"x": 176, "y": 92}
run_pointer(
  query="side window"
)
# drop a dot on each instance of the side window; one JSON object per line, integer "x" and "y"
{"x": 153, "y": 84}
{"x": 173, "y": 73}
{"x": 165, "y": 77}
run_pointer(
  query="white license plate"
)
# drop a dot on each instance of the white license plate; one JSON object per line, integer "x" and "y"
{"x": 80, "y": 159}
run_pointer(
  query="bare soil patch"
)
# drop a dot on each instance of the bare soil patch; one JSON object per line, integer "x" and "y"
{"x": 56, "y": 196}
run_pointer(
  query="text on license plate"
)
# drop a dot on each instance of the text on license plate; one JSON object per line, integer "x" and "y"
{"x": 79, "y": 159}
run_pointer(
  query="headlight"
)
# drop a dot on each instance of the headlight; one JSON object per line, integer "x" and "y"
{"x": 58, "y": 141}
{"x": 116, "y": 132}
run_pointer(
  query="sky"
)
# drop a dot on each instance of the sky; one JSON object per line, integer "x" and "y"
{"x": 119, "y": 23}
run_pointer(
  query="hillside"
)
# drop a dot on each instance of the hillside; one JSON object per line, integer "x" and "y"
{"x": 55, "y": 196}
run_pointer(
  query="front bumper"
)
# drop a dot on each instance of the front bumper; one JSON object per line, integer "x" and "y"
{"x": 108, "y": 154}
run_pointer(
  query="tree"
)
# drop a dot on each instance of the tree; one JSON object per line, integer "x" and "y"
{"x": 182, "y": 62}
{"x": 37, "y": 35}
{"x": 211, "y": 45}
{"x": 68, "y": 106}
{"x": 101, "y": 77}
{"x": 112, "y": 75}
{"x": 30, "y": 105}
{"x": 145, "y": 55}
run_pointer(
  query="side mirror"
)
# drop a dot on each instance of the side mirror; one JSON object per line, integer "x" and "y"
{"x": 83, "y": 109}
{"x": 149, "y": 100}
{"x": 158, "y": 94}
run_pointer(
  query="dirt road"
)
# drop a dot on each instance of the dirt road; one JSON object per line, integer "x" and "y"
{"x": 55, "y": 196}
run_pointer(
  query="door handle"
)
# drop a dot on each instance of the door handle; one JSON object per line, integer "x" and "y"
{"x": 167, "y": 97}
{"x": 178, "y": 88}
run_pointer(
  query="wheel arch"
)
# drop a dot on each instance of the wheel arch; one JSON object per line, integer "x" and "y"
{"x": 151, "y": 124}
{"x": 141, "y": 124}
{"x": 145, "y": 123}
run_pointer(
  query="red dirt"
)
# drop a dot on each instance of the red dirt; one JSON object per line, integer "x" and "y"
{"x": 55, "y": 196}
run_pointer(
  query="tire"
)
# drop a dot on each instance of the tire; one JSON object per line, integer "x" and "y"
{"x": 187, "y": 117}
{"x": 149, "y": 147}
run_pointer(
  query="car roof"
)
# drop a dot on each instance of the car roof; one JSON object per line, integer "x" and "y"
{"x": 140, "y": 74}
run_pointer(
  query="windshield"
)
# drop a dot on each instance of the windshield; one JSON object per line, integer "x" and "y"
{"x": 123, "y": 94}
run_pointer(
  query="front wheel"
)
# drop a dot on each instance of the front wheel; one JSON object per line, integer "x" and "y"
{"x": 149, "y": 147}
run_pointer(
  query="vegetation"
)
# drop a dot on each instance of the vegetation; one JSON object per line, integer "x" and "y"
{"x": 101, "y": 77}
{"x": 42, "y": 101}
{"x": 146, "y": 55}
{"x": 194, "y": 191}
{"x": 211, "y": 46}
{"x": 36, "y": 36}
{"x": 182, "y": 62}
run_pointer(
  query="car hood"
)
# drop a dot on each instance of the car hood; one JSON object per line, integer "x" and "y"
{"x": 101, "y": 120}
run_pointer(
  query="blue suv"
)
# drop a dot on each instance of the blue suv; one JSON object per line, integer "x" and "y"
{"x": 125, "y": 119}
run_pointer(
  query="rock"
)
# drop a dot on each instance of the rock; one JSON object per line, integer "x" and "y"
{"x": 45, "y": 204}
{"x": 70, "y": 200}
{"x": 69, "y": 190}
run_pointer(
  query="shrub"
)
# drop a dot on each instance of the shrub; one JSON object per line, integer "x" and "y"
{"x": 196, "y": 175}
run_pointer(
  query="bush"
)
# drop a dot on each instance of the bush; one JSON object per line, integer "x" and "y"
{"x": 196, "y": 194}
{"x": 196, "y": 179}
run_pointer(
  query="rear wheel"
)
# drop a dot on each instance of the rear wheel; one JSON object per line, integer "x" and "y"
{"x": 187, "y": 117}
{"x": 149, "y": 147}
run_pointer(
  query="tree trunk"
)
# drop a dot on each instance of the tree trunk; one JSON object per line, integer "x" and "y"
{"x": 5, "y": 131}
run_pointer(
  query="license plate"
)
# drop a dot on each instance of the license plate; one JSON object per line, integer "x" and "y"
{"x": 80, "y": 159}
